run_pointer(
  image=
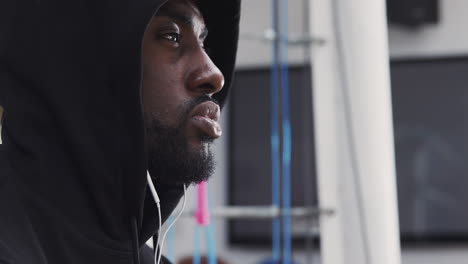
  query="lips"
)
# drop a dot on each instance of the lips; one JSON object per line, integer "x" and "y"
{"x": 205, "y": 117}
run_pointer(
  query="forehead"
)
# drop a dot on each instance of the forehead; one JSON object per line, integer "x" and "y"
{"x": 181, "y": 9}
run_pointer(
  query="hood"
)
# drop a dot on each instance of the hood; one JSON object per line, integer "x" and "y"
{"x": 73, "y": 148}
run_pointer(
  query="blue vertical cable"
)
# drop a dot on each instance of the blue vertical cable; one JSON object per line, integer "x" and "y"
{"x": 286, "y": 127}
{"x": 275, "y": 145}
{"x": 210, "y": 244}
{"x": 210, "y": 233}
{"x": 196, "y": 242}
{"x": 170, "y": 241}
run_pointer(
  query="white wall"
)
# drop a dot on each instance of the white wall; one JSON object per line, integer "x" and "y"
{"x": 444, "y": 39}
{"x": 447, "y": 38}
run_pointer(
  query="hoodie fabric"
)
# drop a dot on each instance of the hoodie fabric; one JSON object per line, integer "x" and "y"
{"x": 73, "y": 161}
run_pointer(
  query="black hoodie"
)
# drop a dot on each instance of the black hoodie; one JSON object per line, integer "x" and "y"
{"x": 73, "y": 161}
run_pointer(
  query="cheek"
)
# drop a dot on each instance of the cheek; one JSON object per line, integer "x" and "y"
{"x": 162, "y": 91}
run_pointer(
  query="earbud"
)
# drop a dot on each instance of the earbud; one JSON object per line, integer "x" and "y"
{"x": 153, "y": 190}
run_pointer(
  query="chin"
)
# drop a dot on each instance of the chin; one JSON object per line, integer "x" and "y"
{"x": 201, "y": 144}
{"x": 179, "y": 158}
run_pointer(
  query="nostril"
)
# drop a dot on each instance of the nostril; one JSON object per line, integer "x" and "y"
{"x": 207, "y": 88}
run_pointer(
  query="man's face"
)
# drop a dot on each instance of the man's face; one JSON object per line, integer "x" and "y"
{"x": 179, "y": 80}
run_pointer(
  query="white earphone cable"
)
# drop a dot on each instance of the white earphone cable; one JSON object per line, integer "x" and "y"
{"x": 158, "y": 205}
{"x": 173, "y": 222}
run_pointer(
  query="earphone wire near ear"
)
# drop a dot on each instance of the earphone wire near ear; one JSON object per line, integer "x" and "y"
{"x": 158, "y": 246}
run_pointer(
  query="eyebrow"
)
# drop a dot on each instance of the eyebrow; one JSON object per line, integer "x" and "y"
{"x": 182, "y": 18}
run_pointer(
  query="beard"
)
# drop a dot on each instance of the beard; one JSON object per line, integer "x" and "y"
{"x": 170, "y": 158}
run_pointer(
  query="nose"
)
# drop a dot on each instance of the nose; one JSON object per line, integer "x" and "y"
{"x": 205, "y": 77}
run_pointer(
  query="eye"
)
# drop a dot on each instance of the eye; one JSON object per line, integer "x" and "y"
{"x": 173, "y": 36}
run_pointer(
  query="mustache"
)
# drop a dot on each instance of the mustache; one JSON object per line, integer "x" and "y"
{"x": 155, "y": 126}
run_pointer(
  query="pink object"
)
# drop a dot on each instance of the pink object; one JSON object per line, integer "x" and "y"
{"x": 202, "y": 214}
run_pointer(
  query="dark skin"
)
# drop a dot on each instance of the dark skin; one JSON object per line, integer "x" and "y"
{"x": 177, "y": 68}
{"x": 178, "y": 82}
